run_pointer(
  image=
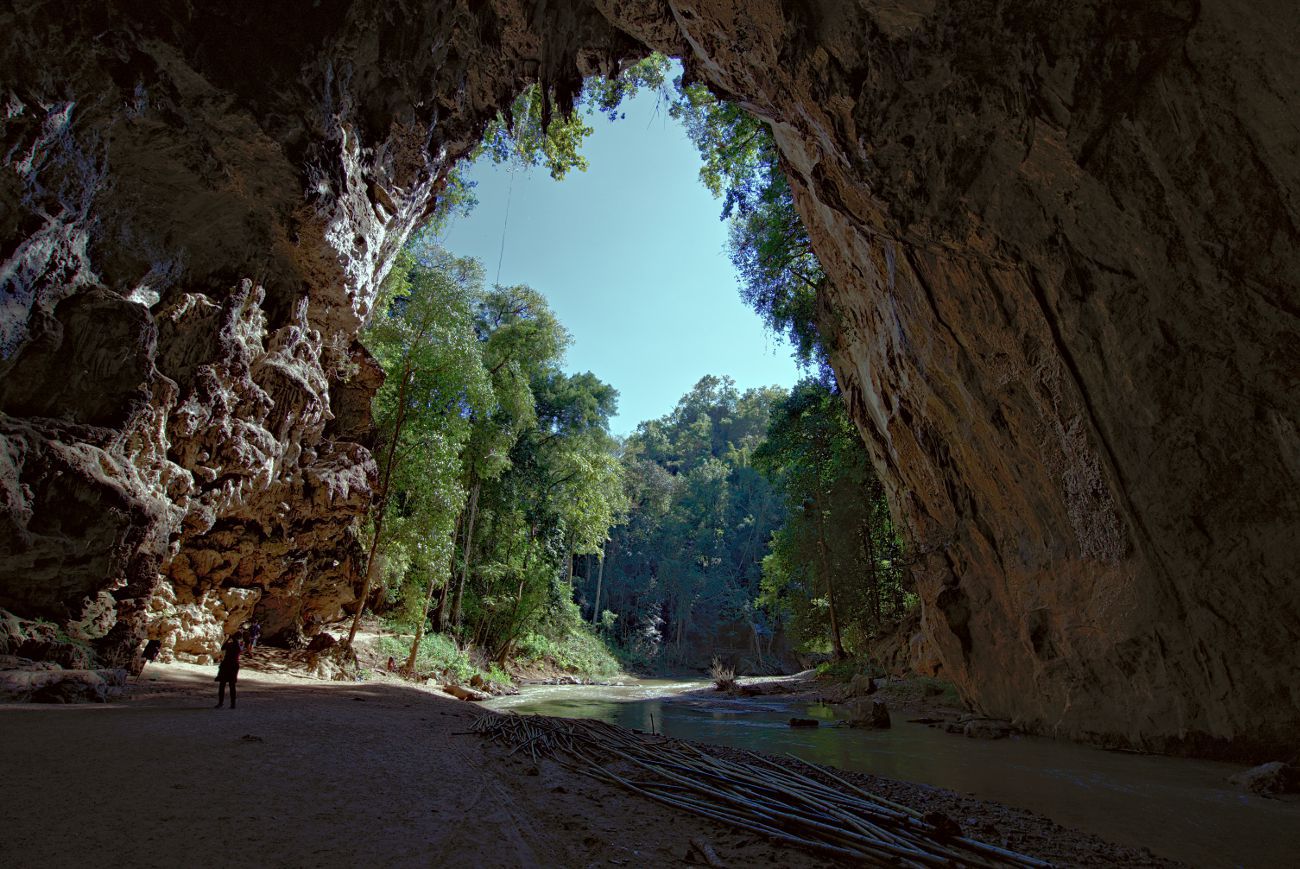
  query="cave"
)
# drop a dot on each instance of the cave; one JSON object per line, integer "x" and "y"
{"x": 1062, "y": 244}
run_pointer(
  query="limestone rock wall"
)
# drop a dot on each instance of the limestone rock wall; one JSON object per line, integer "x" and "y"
{"x": 198, "y": 202}
{"x": 1066, "y": 288}
{"x": 1062, "y": 244}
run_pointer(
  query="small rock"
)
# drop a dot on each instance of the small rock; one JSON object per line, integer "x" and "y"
{"x": 321, "y": 642}
{"x": 987, "y": 728}
{"x": 803, "y": 722}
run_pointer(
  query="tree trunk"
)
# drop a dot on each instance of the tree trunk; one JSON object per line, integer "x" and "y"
{"x": 451, "y": 575}
{"x": 873, "y": 571}
{"x": 512, "y": 629}
{"x": 836, "y": 644}
{"x": 381, "y": 502}
{"x": 469, "y": 541}
{"x": 419, "y": 626}
{"x": 600, "y": 578}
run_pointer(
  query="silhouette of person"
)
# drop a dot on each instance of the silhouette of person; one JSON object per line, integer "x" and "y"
{"x": 148, "y": 656}
{"x": 228, "y": 670}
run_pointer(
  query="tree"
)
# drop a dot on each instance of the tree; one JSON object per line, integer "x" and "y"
{"x": 686, "y": 558}
{"x": 423, "y": 336}
{"x": 529, "y": 133}
{"x": 834, "y": 566}
{"x": 519, "y": 338}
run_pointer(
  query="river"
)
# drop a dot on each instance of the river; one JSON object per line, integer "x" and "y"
{"x": 1181, "y": 809}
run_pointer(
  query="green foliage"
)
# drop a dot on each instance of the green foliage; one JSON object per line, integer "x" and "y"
{"x": 496, "y": 466}
{"x": 579, "y": 652}
{"x": 438, "y": 653}
{"x": 840, "y": 671}
{"x": 504, "y": 464}
{"x": 755, "y": 510}
{"x": 529, "y": 135}
{"x": 423, "y": 336}
{"x": 685, "y": 561}
{"x": 835, "y": 569}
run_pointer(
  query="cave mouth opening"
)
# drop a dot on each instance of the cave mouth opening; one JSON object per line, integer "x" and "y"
{"x": 625, "y": 245}
{"x": 627, "y": 216}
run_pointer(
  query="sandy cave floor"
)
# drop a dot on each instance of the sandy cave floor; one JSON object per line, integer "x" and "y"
{"x": 313, "y": 773}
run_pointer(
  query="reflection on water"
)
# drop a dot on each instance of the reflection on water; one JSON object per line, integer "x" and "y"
{"x": 1183, "y": 809}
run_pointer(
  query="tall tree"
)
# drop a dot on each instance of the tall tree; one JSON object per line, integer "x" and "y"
{"x": 837, "y": 557}
{"x": 423, "y": 336}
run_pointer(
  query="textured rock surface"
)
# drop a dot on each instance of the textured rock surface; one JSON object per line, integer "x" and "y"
{"x": 61, "y": 686}
{"x": 1063, "y": 247}
{"x": 1062, "y": 243}
{"x": 196, "y": 209}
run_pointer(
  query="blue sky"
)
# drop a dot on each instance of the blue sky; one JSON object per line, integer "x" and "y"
{"x": 631, "y": 255}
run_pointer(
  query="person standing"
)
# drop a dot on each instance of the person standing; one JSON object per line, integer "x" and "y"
{"x": 228, "y": 670}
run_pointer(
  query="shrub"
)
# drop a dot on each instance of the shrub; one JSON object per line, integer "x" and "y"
{"x": 438, "y": 653}
{"x": 580, "y": 652}
{"x": 724, "y": 677}
{"x": 846, "y": 669}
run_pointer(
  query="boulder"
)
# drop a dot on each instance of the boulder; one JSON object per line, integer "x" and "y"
{"x": 331, "y": 660}
{"x": 869, "y": 713}
{"x": 1269, "y": 779}
{"x": 460, "y": 692}
{"x": 321, "y": 642}
{"x": 861, "y": 685}
{"x": 62, "y": 686}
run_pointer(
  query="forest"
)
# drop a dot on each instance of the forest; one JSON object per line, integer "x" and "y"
{"x": 511, "y": 527}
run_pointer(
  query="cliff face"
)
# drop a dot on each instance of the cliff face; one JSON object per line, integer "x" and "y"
{"x": 197, "y": 204}
{"x": 1062, "y": 244}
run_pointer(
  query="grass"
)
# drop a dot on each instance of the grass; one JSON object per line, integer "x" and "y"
{"x": 438, "y": 653}
{"x": 840, "y": 670}
{"x": 931, "y": 687}
{"x": 580, "y": 652}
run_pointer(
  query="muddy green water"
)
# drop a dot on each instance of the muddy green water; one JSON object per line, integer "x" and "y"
{"x": 1181, "y": 809}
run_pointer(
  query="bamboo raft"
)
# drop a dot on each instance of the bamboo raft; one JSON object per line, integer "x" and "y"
{"x": 759, "y": 796}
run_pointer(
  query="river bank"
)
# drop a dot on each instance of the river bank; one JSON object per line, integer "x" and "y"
{"x": 1181, "y": 809}
{"x": 313, "y": 773}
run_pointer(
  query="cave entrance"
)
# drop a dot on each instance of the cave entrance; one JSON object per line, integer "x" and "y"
{"x": 632, "y": 255}
{"x": 727, "y": 469}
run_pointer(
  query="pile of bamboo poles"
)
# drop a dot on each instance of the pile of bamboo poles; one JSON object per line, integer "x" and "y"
{"x": 759, "y": 796}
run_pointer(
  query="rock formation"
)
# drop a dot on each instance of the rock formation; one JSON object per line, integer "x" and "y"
{"x": 197, "y": 207}
{"x": 1063, "y": 253}
{"x": 1062, "y": 249}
